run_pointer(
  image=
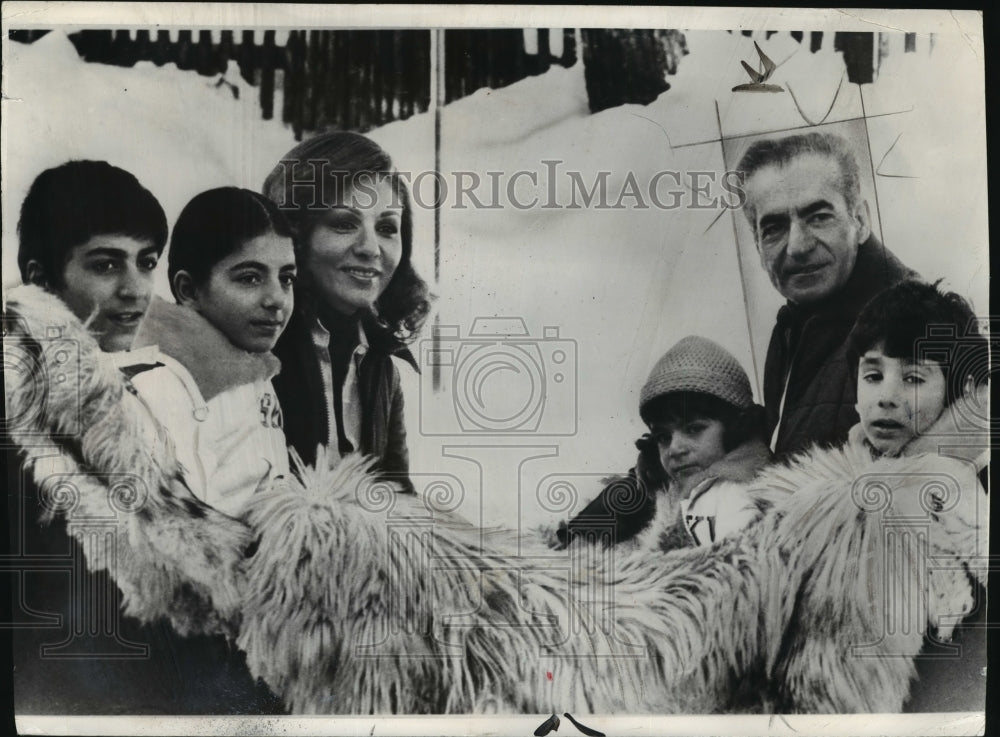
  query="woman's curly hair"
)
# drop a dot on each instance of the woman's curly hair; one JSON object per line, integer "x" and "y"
{"x": 305, "y": 183}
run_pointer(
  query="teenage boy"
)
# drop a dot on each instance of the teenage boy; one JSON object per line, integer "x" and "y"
{"x": 92, "y": 234}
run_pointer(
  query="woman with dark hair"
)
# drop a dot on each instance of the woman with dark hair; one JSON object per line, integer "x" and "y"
{"x": 358, "y": 302}
{"x": 704, "y": 431}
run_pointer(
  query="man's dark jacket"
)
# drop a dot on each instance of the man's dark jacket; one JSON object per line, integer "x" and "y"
{"x": 808, "y": 346}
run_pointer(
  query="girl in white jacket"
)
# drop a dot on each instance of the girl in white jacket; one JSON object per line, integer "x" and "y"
{"x": 203, "y": 365}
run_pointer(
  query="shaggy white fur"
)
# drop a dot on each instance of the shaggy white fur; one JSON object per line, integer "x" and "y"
{"x": 819, "y": 607}
{"x": 100, "y": 459}
{"x": 361, "y": 599}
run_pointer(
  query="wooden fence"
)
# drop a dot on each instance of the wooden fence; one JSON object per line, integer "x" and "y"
{"x": 361, "y": 79}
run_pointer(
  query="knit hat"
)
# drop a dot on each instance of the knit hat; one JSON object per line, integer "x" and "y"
{"x": 696, "y": 364}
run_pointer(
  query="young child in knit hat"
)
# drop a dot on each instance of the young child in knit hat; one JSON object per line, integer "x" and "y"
{"x": 704, "y": 428}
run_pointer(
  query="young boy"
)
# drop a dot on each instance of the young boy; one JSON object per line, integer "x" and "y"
{"x": 920, "y": 358}
{"x": 92, "y": 234}
{"x": 918, "y": 352}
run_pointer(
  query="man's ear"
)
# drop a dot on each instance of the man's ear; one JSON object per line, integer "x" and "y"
{"x": 184, "y": 288}
{"x": 863, "y": 216}
{"x": 36, "y": 274}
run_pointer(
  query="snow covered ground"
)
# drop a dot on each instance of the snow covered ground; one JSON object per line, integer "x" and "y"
{"x": 616, "y": 287}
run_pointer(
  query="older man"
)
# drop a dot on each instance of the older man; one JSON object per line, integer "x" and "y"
{"x": 813, "y": 233}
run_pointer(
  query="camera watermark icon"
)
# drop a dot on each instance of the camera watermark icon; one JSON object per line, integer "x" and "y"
{"x": 499, "y": 380}
{"x": 88, "y": 625}
{"x": 34, "y": 369}
{"x": 436, "y": 494}
{"x": 88, "y": 498}
{"x": 927, "y": 562}
{"x": 967, "y": 357}
{"x": 409, "y": 606}
{"x": 561, "y": 493}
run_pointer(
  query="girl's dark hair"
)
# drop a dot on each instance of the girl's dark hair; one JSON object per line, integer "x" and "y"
{"x": 71, "y": 203}
{"x": 740, "y": 425}
{"x": 917, "y": 321}
{"x": 216, "y": 223}
{"x": 311, "y": 177}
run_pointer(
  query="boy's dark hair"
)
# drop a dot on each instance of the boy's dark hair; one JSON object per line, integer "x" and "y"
{"x": 68, "y": 205}
{"x": 740, "y": 425}
{"x": 916, "y": 320}
{"x": 216, "y": 223}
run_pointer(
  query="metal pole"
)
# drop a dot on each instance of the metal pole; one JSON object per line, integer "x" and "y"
{"x": 438, "y": 97}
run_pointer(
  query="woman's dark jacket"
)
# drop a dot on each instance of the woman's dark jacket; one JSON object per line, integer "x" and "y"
{"x": 300, "y": 390}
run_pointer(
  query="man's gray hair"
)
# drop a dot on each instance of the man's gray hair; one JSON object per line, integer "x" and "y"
{"x": 781, "y": 152}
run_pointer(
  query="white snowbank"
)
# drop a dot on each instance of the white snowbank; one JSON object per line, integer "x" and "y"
{"x": 622, "y": 284}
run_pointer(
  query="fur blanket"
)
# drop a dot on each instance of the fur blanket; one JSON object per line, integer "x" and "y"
{"x": 115, "y": 477}
{"x": 359, "y": 599}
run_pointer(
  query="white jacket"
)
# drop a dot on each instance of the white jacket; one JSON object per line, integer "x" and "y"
{"x": 216, "y": 402}
{"x": 716, "y": 509}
